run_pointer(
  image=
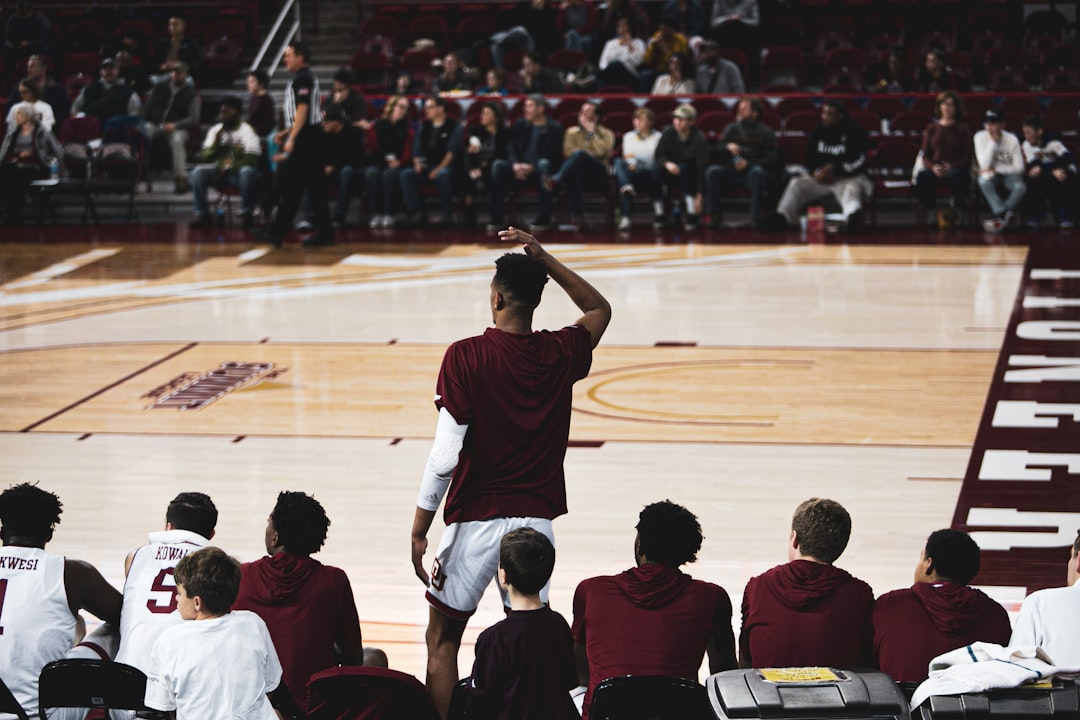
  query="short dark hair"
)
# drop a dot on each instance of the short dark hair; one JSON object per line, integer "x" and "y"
{"x": 595, "y": 106}
{"x": 27, "y": 510}
{"x": 299, "y": 48}
{"x": 31, "y": 86}
{"x": 535, "y": 56}
{"x": 301, "y": 523}
{"x": 755, "y": 104}
{"x": 1033, "y": 121}
{"x": 822, "y": 527}
{"x": 520, "y": 279}
{"x": 955, "y": 554}
{"x": 212, "y": 575}
{"x": 1076, "y": 543}
{"x": 193, "y": 511}
{"x": 260, "y": 77}
{"x": 527, "y": 557}
{"x": 437, "y": 101}
{"x": 836, "y": 105}
{"x": 344, "y": 75}
{"x": 669, "y": 534}
{"x": 499, "y": 109}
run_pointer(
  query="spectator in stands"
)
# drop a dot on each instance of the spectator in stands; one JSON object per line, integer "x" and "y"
{"x": 230, "y": 157}
{"x": 577, "y": 22}
{"x": 171, "y": 112}
{"x": 747, "y": 158}
{"x": 29, "y": 93}
{"x": 737, "y": 24}
{"x": 352, "y": 103}
{"x": 808, "y": 598}
{"x": 1051, "y": 173}
{"x": 935, "y": 76}
{"x": 637, "y": 168}
{"x": 133, "y": 57}
{"x": 896, "y": 77}
{"x": 716, "y": 74}
{"x": 524, "y": 664}
{"x": 537, "y": 31}
{"x": 537, "y": 79}
{"x": 125, "y": 69}
{"x": 653, "y": 619}
{"x": 25, "y": 156}
{"x": 836, "y": 161}
{"x": 621, "y": 57}
{"x": 587, "y": 151}
{"x": 49, "y": 91}
{"x": 535, "y": 153}
{"x": 26, "y": 32}
{"x": 345, "y": 156}
{"x": 261, "y": 114}
{"x": 405, "y": 84}
{"x": 307, "y": 606}
{"x": 455, "y": 77}
{"x": 945, "y": 159}
{"x": 1048, "y": 618}
{"x": 938, "y": 613}
{"x": 178, "y": 47}
{"x": 488, "y": 141}
{"x": 1001, "y": 167}
{"x": 682, "y": 154}
{"x": 630, "y": 10}
{"x": 664, "y": 43}
{"x": 437, "y": 157}
{"x": 391, "y": 142}
{"x": 679, "y": 79}
{"x": 688, "y": 19}
{"x": 494, "y": 83}
{"x": 108, "y": 97}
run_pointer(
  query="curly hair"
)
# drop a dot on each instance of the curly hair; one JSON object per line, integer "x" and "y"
{"x": 822, "y": 528}
{"x": 669, "y": 534}
{"x": 955, "y": 554}
{"x": 520, "y": 278}
{"x": 212, "y": 575}
{"x": 301, "y": 523}
{"x": 29, "y": 511}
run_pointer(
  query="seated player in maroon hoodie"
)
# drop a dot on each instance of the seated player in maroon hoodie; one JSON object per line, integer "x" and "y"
{"x": 307, "y": 606}
{"x": 808, "y": 612}
{"x": 653, "y": 619}
{"x": 938, "y": 613}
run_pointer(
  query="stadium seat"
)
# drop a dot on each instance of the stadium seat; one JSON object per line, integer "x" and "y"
{"x": 93, "y": 684}
{"x": 635, "y": 697}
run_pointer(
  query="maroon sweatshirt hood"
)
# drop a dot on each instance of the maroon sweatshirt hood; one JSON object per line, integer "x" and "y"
{"x": 274, "y": 580}
{"x": 652, "y": 586}
{"x": 801, "y": 584}
{"x": 954, "y": 609}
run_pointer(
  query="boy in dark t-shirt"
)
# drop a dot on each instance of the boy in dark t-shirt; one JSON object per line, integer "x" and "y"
{"x": 524, "y": 665}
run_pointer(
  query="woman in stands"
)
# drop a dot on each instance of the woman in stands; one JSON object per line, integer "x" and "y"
{"x": 391, "y": 141}
{"x": 679, "y": 79}
{"x": 31, "y": 94}
{"x": 485, "y": 143}
{"x": 25, "y": 156}
{"x": 946, "y": 159}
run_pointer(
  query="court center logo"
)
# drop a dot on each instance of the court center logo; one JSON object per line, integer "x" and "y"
{"x": 194, "y": 391}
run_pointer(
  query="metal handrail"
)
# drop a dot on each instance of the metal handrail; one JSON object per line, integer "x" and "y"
{"x": 293, "y": 32}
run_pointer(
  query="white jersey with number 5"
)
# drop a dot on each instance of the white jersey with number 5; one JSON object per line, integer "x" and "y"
{"x": 36, "y": 623}
{"x": 150, "y": 593}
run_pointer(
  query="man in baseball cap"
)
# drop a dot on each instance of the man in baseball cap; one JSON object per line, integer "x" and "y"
{"x": 1001, "y": 167}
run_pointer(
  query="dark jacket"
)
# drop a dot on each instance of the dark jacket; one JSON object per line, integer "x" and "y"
{"x": 843, "y": 145}
{"x": 546, "y": 83}
{"x": 694, "y": 149}
{"x": 163, "y": 106}
{"x": 549, "y": 146}
{"x": 106, "y": 102}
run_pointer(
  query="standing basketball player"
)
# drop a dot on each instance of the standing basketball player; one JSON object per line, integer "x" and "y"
{"x": 504, "y": 418}
{"x": 150, "y": 604}
{"x": 41, "y": 593}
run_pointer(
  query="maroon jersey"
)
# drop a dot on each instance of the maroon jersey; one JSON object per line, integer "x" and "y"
{"x": 914, "y": 625}
{"x": 649, "y": 620}
{"x": 524, "y": 668}
{"x": 308, "y": 608}
{"x": 805, "y": 613}
{"x": 514, "y": 393}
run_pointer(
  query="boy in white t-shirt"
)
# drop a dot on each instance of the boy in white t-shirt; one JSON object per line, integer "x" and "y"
{"x": 222, "y": 665}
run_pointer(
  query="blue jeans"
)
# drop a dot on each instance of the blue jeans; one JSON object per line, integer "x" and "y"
{"x": 246, "y": 179}
{"x": 576, "y": 170}
{"x": 1013, "y": 184}
{"x": 719, "y": 178}
{"x": 348, "y": 179}
{"x": 640, "y": 178}
{"x": 502, "y": 176}
{"x": 383, "y": 185}
{"x": 444, "y": 180}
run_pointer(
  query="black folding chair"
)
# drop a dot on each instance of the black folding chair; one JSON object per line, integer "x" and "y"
{"x": 93, "y": 684}
{"x": 9, "y": 704}
{"x": 650, "y": 697}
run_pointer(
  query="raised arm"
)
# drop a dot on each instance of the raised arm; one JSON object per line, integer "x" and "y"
{"x": 588, "y": 299}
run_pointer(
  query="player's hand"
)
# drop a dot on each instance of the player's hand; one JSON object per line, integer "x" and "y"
{"x": 532, "y": 246}
{"x": 419, "y": 547}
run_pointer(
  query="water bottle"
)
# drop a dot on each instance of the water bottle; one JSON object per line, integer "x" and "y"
{"x": 54, "y": 169}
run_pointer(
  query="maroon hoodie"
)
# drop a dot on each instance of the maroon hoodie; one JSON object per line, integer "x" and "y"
{"x": 650, "y": 620}
{"x": 308, "y": 608}
{"x": 915, "y": 625}
{"x": 805, "y": 613}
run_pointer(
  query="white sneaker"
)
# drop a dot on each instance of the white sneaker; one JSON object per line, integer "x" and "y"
{"x": 628, "y": 190}
{"x": 376, "y": 222}
{"x": 624, "y": 223}
{"x": 388, "y": 221}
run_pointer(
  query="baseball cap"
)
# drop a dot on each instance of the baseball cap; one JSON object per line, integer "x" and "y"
{"x": 992, "y": 116}
{"x": 685, "y": 112}
{"x": 106, "y": 62}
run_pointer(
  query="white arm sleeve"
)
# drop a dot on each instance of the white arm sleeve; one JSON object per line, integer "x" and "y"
{"x": 442, "y": 461}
